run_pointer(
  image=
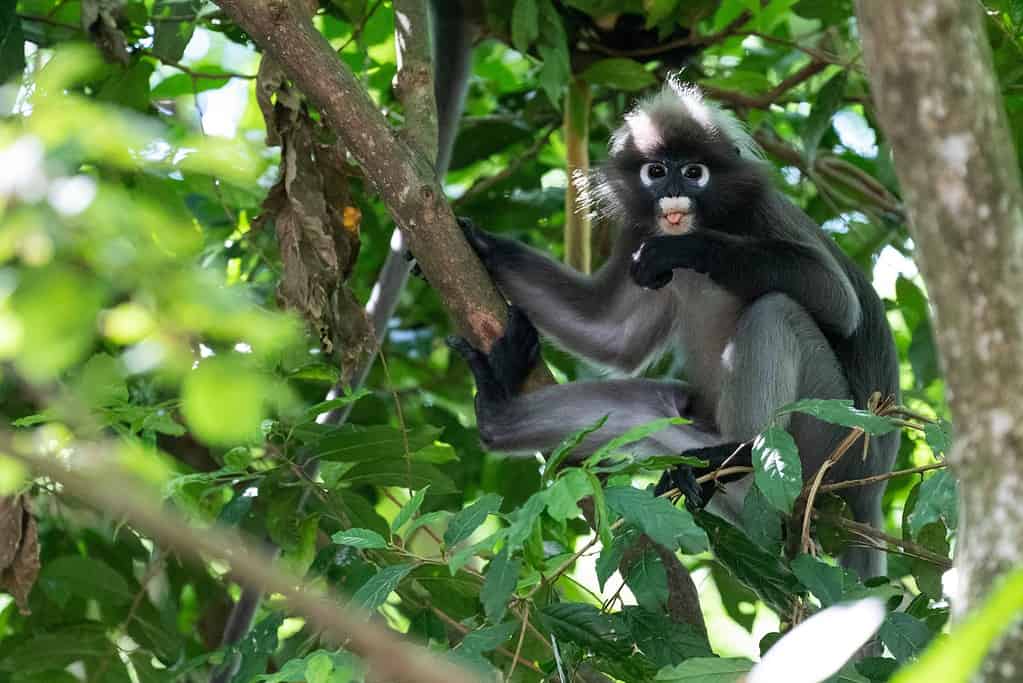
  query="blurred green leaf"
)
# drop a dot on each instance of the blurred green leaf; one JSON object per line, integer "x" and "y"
{"x": 904, "y": 635}
{"x": 619, "y": 74}
{"x": 223, "y": 401}
{"x": 12, "y": 43}
{"x": 706, "y": 670}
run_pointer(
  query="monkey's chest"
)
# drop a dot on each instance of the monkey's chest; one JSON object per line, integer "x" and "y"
{"x": 706, "y": 322}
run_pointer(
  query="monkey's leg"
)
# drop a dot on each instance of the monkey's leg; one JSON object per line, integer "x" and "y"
{"x": 540, "y": 420}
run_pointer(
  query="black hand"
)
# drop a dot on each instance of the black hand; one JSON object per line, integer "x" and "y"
{"x": 653, "y": 265}
{"x": 482, "y": 242}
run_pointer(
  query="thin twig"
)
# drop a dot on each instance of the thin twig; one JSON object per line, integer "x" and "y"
{"x": 390, "y": 657}
{"x": 484, "y": 184}
{"x": 839, "y": 451}
{"x": 518, "y": 647}
{"x": 866, "y": 531}
{"x": 837, "y": 486}
{"x": 465, "y": 630}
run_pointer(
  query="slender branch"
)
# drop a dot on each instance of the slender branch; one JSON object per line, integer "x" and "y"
{"x": 387, "y": 655}
{"x": 867, "y": 531}
{"x": 414, "y": 80}
{"x": 518, "y": 647}
{"x": 465, "y": 630}
{"x": 768, "y": 98}
{"x": 837, "y": 486}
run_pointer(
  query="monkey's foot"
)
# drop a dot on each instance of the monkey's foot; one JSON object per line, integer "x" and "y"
{"x": 682, "y": 478}
{"x": 501, "y": 373}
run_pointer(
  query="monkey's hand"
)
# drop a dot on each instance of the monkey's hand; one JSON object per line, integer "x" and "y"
{"x": 653, "y": 262}
{"x": 501, "y": 373}
{"x": 482, "y": 242}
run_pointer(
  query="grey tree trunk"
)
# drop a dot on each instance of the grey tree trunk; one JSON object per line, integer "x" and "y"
{"x": 939, "y": 104}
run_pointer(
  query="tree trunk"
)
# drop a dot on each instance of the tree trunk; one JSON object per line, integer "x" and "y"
{"x": 939, "y": 104}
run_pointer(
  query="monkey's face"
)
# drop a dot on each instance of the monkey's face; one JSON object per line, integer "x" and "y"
{"x": 673, "y": 185}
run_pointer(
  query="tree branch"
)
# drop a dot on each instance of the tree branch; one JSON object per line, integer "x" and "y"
{"x": 387, "y": 655}
{"x": 414, "y": 81}
{"x": 405, "y": 181}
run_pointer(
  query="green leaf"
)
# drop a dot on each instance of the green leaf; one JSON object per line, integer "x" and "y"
{"x": 840, "y": 411}
{"x": 487, "y": 639}
{"x": 100, "y": 382}
{"x": 563, "y": 496}
{"x": 409, "y": 509}
{"x": 612, "y": 553}
{"x": 934, "y": 537}
{"x": 958, "y": 657}
{"x": 631, "y": 436}
{"x": 357, "y": 443}
{"x": 728, "y": 12}
{"x": 761, "y": 522}
{"x": 587, "y": 626}
{"x": 662, "y": 640}
{"x": 12, "y": 43}
{"x": 129, "y": 87}
{"x": 648, "y": 579}
{"x": 904, "y": 636}
{"x": 468, "y": 520}
{"x": 525, "y": 24}
{"x": 58, "y": 647}
{"x": 172, "y": 35}
{"x": 424, "y": 520}
{"x": 461, "y": 557}
{"x": 553, "y": 464}
{"x": 360, "y": 538}
{"x": 223, "y": 401}
{"x": 823, "y": 580}
{"x": 659, "y": 10}
{"x": 374, "y": 592}
{"x": 318, "y": 669}
{"x": 939, "y": 436}
{"x": 502, "y": 574}
{"x": 415, "y": 475}
{"x": 831, "y": 12}
{"x": 760, "y": 571}
{"x": 619, "y": 74}
{"x": 777, "y": 469}
{"x": 829, "y": 100}
{"x": 85, "y": 577}
{"x": 706, "y": 670}
{"x": 257, "y": 647}
{"x": 657, "y": 518}
{"x": 938, "y": 500}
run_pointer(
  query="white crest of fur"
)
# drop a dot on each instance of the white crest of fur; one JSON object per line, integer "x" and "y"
{"x": 677, "y": 100}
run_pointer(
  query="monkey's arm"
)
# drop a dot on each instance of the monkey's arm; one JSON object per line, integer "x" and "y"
{"x": 751, "y": 267}
{"x": 606, "y": 318}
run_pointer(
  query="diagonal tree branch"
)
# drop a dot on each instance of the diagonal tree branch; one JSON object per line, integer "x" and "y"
{"x": 388, "y": 656}
{"x": 404, "y": 179}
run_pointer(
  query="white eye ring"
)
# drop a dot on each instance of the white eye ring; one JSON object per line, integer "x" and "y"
{"x": 651, "y": 171}
{"x": 703, "y": 172}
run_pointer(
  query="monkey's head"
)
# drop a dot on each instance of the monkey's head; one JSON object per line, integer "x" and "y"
{"x": 677, "y": 164}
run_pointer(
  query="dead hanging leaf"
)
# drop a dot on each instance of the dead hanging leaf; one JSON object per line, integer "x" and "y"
{"x": 19, "y": 550}
{"x": 311, "y": 211}
{"x": 99, "y": 20}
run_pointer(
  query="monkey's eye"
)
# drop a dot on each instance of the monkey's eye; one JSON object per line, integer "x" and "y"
{"x": 698, "y": 173}
{"x": 651, "y": 171}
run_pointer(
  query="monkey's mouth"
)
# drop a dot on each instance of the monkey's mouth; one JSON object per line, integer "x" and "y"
{"x": 675, "y": 222}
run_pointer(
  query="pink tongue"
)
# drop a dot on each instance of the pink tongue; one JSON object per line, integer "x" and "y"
{"x": 675, "y": 217}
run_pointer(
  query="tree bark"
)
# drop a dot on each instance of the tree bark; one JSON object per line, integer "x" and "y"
{"x": 938, "y": 101}
{"x": 403, "y": 177}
